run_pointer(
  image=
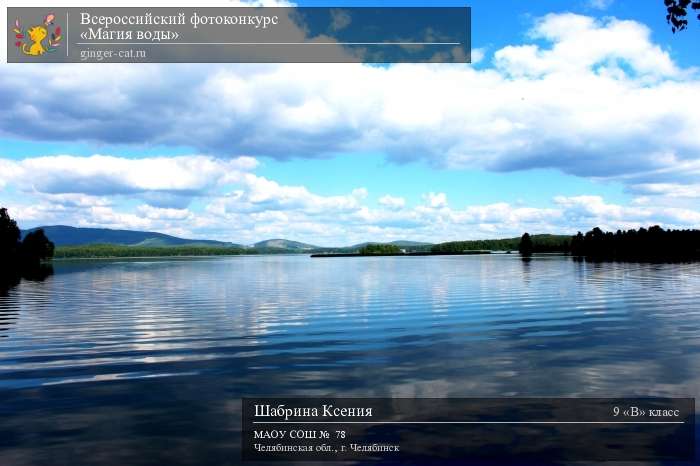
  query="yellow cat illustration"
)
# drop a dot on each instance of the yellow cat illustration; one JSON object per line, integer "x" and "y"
{"x": 36, "y": 34}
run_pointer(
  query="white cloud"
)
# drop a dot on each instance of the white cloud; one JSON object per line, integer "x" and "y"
{"x": 581, "y": 44}
{"x": 259, "y": 194}
{"x": 478, "y": 55}
{"x": 109, "y": 218}
{"x": 593, "y": 210}
{"x": 261, "y": 208}
{"x": 435, "y": 200}
{"x": 159, "y": 213}
{"x": 593, "y": 98}
{"x": 392, "y": 202}
{"x": 440, "y": 222}
{"x": 668, "y": 189}
{"x": 234, "y": 204}
{"x": 161, "y": 180}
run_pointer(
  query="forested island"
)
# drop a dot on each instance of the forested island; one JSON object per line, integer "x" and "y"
{"x": 383, "y": 249}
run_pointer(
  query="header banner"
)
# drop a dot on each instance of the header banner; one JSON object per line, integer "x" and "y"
{"x": 239, "y": 35}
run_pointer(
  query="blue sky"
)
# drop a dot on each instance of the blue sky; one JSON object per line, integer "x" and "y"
{"x": 574, "y": 115}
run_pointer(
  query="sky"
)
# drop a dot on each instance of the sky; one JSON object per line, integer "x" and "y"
{"x": 572, "y": 115}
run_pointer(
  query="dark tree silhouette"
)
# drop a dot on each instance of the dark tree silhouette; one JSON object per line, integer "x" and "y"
{"x": 577, "y": 244}
{"x": 652, "y": 244}
{"x": 36, "y": 247}
{"x": 22, "y": 259}
{"x": 9, "y": 237}
{"x": 677, "y": 11}
{"x": 526, "y": 247}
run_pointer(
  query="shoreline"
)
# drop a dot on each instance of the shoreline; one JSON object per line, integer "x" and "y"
{"x": 406, "y": 254}
{"x": 192, "y": 256}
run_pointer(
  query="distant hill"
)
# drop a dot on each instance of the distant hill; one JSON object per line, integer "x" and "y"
{"x": 63, "y": 235}
{"x": 541, "y": 243}
{"x": 399, "y": 243}
{"x": 284, "y": 244}
{"x": 409, "y": 243}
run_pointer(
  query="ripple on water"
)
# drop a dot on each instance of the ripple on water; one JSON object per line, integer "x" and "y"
{"x": 233, "y": 318}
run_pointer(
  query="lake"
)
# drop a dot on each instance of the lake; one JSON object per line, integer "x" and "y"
{"x": 131, "y": 362}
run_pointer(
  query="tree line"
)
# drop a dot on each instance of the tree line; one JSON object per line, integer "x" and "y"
{"x": 373, "y": 248}
{"x": 30, "y": 251}
{"x": 539, "y": 243}
{"x": 653, "y": 243}
{"x": 116, "y": 250}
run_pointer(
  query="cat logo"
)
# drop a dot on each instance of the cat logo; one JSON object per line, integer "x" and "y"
{"x": 40, "y": 39}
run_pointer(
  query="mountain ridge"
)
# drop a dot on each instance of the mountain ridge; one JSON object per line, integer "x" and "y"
{"x": 65, "y": 235}
{"x": 69, "y": 236}
{"x": 280, "y": 243}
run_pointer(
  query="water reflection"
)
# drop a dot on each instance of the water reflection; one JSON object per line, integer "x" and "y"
{"x": 10, "y": 279}
{"x": 143, "y": 362}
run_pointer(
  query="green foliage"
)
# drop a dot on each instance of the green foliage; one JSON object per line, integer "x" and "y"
{"x": 113, "y": 250}
{"x": 380, "y": 249}
{"x": 508, "y": 244}
{"x": 541, "y": 243}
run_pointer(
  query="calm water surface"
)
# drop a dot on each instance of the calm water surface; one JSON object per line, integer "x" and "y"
{"x": 144, "y": 361}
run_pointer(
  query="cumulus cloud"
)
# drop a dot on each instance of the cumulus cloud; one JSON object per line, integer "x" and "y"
{"x": 668, "y": 189}
{"x": 392, "y": 202}
{"x": 224, "y": 199}
{"x": 247, "y": 208}
{"x": 590, "y": 97}
{"x": 593, "y": 210}
{"x": 259, "y": 194}
{"x": 580, "y": 44}
{"x": 160, "y": 213}
{"x": 161, "y": 180}
{"x": 435, "y": 200}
